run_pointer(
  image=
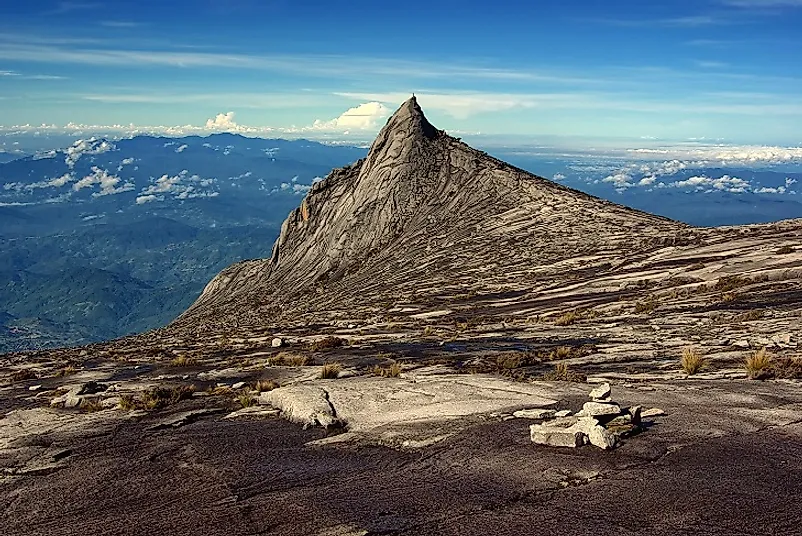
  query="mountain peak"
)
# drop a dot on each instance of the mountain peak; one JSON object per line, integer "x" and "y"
{"x": 422, "y": 213}
{"x": 410, "y": 120}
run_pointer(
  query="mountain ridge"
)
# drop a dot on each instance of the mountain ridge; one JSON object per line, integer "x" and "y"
{"x": 419, "y": 191}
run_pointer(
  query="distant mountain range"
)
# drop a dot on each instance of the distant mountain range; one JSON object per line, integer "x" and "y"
{"x": 107, "y": 238}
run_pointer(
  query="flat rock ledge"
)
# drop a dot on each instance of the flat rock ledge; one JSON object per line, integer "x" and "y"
{"x": 405, "y": 411}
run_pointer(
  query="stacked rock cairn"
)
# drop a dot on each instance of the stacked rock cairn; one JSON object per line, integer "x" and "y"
{"x": 602, "y": 422}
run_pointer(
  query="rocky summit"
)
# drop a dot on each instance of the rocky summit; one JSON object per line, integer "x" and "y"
{"x": 380, "y": 373}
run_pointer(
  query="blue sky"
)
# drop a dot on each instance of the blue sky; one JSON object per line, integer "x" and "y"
{"x": 726, "y": 70}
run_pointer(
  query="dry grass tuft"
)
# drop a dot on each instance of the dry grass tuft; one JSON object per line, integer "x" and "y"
{"x": 566, "y": 319}
{"x": 692, "y": 360}
{"x": 246, "y": 400}
{"x": 161, "y": 397}
{"x": 561, "y": 352}
{"x": 330, "y": 371}
{"x": 327, "y": 343}
{"x": 563, "y": 373}
{"x": 91, "y": 406}
{"x": 288, "y": 359}
{"x": 24, "y": 375}
{"x": 263, "y": 386}
{"x": 729, "y": 283}
{"x": 183, "y": 361}
{"x": 749, "y": 316}
{"x": 787, "y": 368}
{"x": 220, "y": 390}
{"x": 393, "y": 371}
{"x": 646, "y": 306}
{"x": 127, "y": 403}
{"x": 759, "y": 365}
{"x": 66, "y": 371}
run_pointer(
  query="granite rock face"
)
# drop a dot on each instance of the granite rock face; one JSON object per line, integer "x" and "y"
{"x": 422, "y": 206}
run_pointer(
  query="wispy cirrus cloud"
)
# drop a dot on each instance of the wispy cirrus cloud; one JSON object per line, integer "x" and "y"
{"x": 120, "y": 24}
{"x": 68, "y": 7}
{"x": 762, "y": 3}
{"x": 19, "y": 76}
{"x": 67, "y": 51}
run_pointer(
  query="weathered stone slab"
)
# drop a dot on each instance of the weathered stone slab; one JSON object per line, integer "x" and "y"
{"x": 594, "y": 409}
{"x": 303, "y": 404}
{"x": 534, "y": 414}
{"x": 555, "y": 436}
{"x": 601, "y": 392}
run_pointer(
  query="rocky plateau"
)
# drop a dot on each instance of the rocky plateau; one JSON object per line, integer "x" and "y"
{"x": 432, "y": 325}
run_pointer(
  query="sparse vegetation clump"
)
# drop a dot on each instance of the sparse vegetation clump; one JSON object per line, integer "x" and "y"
{"x": 563, "y": 373}
{"x": 514, "y": 360}
{"x": 787, "y": 368}
{"x": 263, "y": 386}
{"x": 288, "y": 359}
{"x": 759, "y": 365}
{"x": 566, "y": 319}
{"x": 184, "y": 361}
{"x": 245, "y": 400}
{"x": 646, "y": 306}
{"x": 692, "y": 360}
{"x": 161, "y": 397}
{"x": 66, "y": 371}
{"x": 23, "y": 375}
{"x": 127, "y": 403}
{"x": 749, "y": 316}
{"x": 90, "y": 406}
{"x": 330, "y": 371}
{"x": 393, "y": 371}
{"x": 327, "y": 343}
{"x": 728, "y": 283}
{"x": 785, "y": 250}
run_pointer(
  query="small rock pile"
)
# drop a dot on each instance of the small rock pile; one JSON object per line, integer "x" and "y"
{"x": 602, "y": 422}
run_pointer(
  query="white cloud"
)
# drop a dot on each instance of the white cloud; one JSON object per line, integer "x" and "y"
{"x": 763, "y": 3}
{"x": 363, "y": 117}
{"x": 222, "y": 122}
{"x": 142, "y": 199}
{"x": 619, "y": 180}
{"x": 86, "y": 147}
{"x": 767, "y": 190}
{"x": 107, "y": 182}
{"x": 181, "y": 186}
{"x": 182, "y": 148}
{"x": 559, "y": 177}
{"x": 57, "y": 182}
{"x": 725, "y": 183}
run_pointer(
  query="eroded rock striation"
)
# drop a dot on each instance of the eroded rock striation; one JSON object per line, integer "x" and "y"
{"x": 423, "y": 216}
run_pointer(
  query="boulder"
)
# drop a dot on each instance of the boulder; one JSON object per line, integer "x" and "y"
{"x": 635, "y": 414}
{"x": 563, "y": 413}
{"x": 238, "y": 385}
{"x": 601, "y": 392}
{"x": 555, "y": 436}
{"x": 307, "y": 405}
{"x": 599, "y": 436}
{"x": 535, "y": 414}
{"x": 277, "y": 342}
{"x": 652, "y": 412}
{"x": 34, "y": 387}
{"x": 595, "y": 409}
{"x": 620, "y": 420}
